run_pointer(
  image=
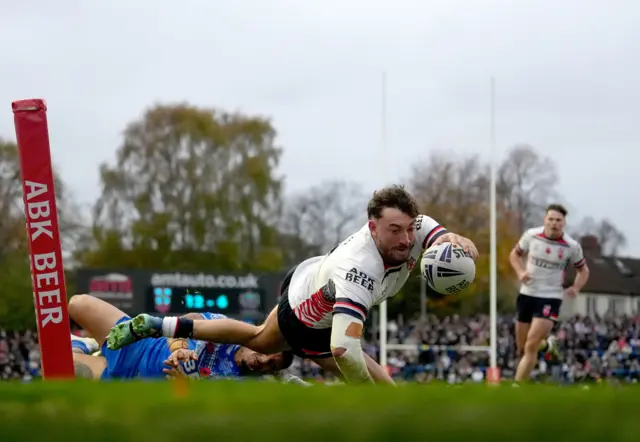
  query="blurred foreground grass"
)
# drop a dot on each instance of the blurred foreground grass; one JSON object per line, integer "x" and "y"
{"x": 244, "y": 411}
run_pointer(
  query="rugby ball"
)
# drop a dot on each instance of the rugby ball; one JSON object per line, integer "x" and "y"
{"x": 448, "y": 269}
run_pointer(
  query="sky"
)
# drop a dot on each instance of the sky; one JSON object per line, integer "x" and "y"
{"x": 566, "y": 75}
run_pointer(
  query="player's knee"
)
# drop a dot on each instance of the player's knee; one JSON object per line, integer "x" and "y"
{"x": 77, "y": 303}
{"x": 532, "y": 346}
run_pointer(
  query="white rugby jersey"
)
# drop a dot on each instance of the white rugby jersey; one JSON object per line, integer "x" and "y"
{"x": 546, "y": 262}
{"x": 352, "y": 277}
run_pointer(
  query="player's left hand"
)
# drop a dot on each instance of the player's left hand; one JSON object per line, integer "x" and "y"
{"x": 467, "y": 245}
{"x": 571, "y": 292}
{"x": 181, "y": 355}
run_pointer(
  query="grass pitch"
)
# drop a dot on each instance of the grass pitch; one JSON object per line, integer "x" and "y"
{"x": 245, "y": 411}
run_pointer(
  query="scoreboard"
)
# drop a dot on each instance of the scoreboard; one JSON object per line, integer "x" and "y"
{"x": 227, "y": 301}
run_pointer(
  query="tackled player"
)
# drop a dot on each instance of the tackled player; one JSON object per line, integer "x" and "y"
{"x": 159, "y": 358}
{"x": 325, "y": 300}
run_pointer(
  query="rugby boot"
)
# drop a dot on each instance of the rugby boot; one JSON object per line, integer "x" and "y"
{"x": 130, "y": 331}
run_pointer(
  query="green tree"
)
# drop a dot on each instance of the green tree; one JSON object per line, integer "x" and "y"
{"x": 192, "y": 189}
{"x": 16, "y": 299}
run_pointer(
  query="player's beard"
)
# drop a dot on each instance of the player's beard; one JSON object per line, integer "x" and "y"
{"x": 396, "y": 256}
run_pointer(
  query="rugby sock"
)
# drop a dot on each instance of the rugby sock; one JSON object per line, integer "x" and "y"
{"x": 85, "y": 345}
{"x": 80, "y": 346}
{"x": 175, "y": 327}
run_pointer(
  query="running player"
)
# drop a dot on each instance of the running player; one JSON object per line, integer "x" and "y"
{"x": 154, "y": 358}
{"x": 549, "y": 250}
{"x": 325, "y": 300}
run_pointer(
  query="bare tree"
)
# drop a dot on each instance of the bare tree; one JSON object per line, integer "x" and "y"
{"x": 318, "y": 218}
{"x": 526, "y": 184}
{"x": 453, "y": 190}
{"x": 610, "y": 238}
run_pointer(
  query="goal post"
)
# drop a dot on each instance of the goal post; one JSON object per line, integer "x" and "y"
{"x": 45, "y": 250}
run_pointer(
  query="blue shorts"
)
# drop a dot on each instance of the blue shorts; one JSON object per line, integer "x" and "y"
{"x": 141, "y": 359}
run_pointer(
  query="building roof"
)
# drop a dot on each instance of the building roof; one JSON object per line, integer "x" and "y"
{"x": 608, "y": 274}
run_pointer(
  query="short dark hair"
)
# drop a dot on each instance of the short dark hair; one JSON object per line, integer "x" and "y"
{"x": 287, "y": 359}
{"x": 557, "y": 208}
{"x": 395, "y": 197}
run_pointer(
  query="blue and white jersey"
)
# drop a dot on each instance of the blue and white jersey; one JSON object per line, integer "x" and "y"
{"x": 214, "y": 360}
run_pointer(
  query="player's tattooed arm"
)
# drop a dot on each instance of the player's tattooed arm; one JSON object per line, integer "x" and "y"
{"x": 192, "y": 316}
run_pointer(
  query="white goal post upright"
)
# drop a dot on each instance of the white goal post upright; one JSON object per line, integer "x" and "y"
{"x": 382, "y": 329}
{"x": 493, "y": 375}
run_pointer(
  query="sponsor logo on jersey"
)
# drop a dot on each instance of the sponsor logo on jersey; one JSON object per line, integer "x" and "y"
{"x": 355, "y": 276}
{"x": 546, "y": 264}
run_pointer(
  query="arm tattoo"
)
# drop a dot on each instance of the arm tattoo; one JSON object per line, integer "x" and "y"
{"x": 82, "y": 370}
{"x": 194, "y": 316}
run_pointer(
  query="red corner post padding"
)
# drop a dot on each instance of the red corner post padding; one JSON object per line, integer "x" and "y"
{"x": 45, "y": 251}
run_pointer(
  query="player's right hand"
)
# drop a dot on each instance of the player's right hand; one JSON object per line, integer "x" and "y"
{"x": 174, "y": 373}
{"x": 180, "y": 355}
{"x": 524, "y": 277}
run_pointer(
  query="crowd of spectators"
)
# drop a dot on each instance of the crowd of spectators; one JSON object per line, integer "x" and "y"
{"x": 19, "y": 355}
{"x": 591, "y": 350}
{"x": 455, "y": 349}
